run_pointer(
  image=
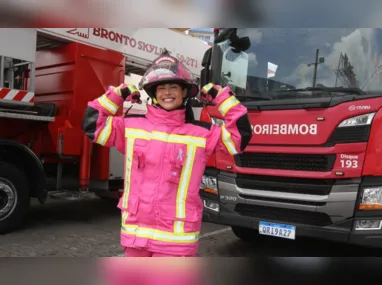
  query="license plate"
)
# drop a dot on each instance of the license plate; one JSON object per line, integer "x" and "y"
{"x": 277, "y": 230}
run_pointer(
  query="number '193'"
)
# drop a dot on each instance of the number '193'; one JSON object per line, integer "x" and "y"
{"x": 349, "y": 163}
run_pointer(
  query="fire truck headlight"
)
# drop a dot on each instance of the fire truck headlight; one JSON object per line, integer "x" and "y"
{"x": 364, "y": 225}
{"x": 361, "y": 120}
{"x": 371, "y": 199}
{"x": 209, "y": 185}
{"x": 216, "y": 121}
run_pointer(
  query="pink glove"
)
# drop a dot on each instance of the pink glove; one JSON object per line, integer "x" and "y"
{"x": 209, "y": 92}
{"x": 129, "y": 93}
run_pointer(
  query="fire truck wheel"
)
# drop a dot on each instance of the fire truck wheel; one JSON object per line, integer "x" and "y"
{"x": 245, "y": 234}
{"x": 14, "y": 197}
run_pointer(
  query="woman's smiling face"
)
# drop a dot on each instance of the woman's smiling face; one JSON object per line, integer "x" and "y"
{"x": 170, "y": 96}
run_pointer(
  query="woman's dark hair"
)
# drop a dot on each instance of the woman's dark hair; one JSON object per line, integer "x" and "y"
{"x": 189, "y": 113}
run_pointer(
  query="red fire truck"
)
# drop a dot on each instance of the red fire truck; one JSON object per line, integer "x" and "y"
{"x": 314, "y": 165}
{"x": 47, "y": 77}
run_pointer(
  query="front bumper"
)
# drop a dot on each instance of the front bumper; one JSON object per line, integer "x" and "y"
{"x": 330, "y": 217}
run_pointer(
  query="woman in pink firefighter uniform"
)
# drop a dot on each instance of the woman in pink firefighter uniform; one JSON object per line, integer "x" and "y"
{"x": 165, "y": 155}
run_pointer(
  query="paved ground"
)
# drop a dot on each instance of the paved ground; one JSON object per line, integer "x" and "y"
{"x": 91, "y": 229}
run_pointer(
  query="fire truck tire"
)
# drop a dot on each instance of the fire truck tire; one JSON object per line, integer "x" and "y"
{"x": 245, "y": 234}
{"x": 14, "y": 197}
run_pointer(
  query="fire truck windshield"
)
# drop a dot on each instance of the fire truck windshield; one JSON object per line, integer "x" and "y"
{"x": 314, "y": 61}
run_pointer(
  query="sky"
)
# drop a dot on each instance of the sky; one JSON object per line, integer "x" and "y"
{"x": 323, "y": 13}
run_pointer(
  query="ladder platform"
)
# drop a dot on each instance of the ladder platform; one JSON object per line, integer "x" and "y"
{"x": 43, "y": 112}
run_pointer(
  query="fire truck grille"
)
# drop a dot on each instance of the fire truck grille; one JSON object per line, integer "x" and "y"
{"x": 300, "y": 162}
{"x": 349, "y": 135}
{"x": 309, "y": 186}
{"x": 284, "y": 215}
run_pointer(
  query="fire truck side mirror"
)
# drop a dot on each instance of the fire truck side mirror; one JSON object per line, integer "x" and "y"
{"x": 204, "y": 77}
{"x": 206, "y": 62}
{"x": 205, "y": 72}
{"x": 238, "y": 44}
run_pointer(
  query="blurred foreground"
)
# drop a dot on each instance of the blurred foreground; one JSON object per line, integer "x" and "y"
{"x": 222, "y": 271}
{"x": 190, "y": 13}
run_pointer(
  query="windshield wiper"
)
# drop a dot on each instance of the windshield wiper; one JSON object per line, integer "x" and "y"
{"x": 329, "y": 90}
{"x": 255, "y": 95}
{"x": 304, "y": 89}
{"x": 349, "y": 90}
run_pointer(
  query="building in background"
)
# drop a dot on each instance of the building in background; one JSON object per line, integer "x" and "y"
{"x": 205, "y": 34}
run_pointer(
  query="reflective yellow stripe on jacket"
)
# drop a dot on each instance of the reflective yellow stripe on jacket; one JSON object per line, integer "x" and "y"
{"x": 184, "y": 182}
{"x": 104, "y": 134}
{"x": 224, "y": 108}
{"x": 227, "y": 141}
{"x": 107, "y": 104}
{"x": 160, "y": 235}
{"x": 228, "y": 104}
{"x": 169, "y": 138}
{"x": 129, "y": 151}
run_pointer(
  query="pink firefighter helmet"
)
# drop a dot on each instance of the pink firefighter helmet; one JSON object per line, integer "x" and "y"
{"x": 167, "y": 69}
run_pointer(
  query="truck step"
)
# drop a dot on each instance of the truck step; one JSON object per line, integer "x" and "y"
{"x": 72, "y": 195}
{"x": 44, "y": 112}
{"x": 10, "y": 115}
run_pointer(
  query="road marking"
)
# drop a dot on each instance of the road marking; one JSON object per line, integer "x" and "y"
{"x": 214, "y": 233}
{"x": 206, "y": 235}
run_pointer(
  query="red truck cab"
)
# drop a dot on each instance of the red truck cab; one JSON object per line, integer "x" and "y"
{"x": 314, "y": 165}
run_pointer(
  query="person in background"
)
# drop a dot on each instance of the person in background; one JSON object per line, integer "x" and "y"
{"x": 166, "y": 153}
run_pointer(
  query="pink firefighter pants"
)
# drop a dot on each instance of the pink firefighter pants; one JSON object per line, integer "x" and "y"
{"x": 134, "y": 252}
{"x": 141, "y": 271}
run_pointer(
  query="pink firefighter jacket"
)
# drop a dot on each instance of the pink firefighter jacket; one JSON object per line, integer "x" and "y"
{"x": 165, "y": 158}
